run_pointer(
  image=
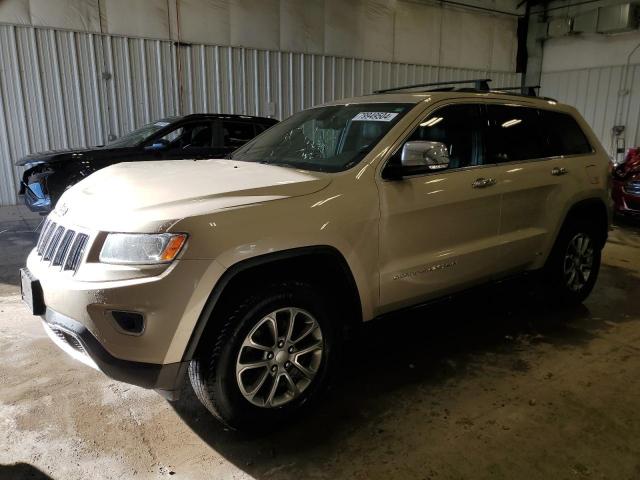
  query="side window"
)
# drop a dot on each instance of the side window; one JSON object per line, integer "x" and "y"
{"x": 458, "y": 127}
{"x": 565, "y": 135}
{"x": 514, "y": 133}
{"x": 237, "y": 134}
{"x": 172, "y": 135}
{"x": 196, "y": 135}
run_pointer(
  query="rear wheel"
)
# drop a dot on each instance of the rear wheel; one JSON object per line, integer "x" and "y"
{"x": 269, "y": 360}
{"x": 573, "y": 266}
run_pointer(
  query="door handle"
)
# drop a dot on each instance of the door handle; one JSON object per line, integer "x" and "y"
{"x": 483, "y": 182}
{"x": 557, "y": 171}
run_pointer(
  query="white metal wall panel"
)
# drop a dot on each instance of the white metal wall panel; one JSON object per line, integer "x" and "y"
{"x": 82, "y": 15}
{"x": 255, "y": 23}
{"x": 576, "y": 52}
{"x": 300, "y": 27}
{"x": 62, "y": 89}
{"x": 143, "y": 18}
{"x": 418, "y": 33}
{"x": 15, "y": 12}
{"x": 14, "y": 109}
{"x": 412, "y": 31}
{"x": 595, "y": 92}
{"x": 205, "y": 21}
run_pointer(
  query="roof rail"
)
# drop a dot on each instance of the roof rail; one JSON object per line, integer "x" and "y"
{"x": 527, "y": 90}
{"x": 481, "y": 84}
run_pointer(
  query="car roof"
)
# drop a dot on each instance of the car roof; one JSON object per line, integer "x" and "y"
{"x": 202, "y": 116}
{"x": 436, "y": 96}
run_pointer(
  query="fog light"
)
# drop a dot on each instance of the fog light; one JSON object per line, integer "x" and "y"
{"x": 129, "y": 322}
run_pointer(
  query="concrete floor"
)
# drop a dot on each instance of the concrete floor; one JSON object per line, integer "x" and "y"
{"x": 489, "y": 386}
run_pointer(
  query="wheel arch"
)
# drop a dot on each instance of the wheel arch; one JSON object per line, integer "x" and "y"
{"x": 326, "y": 260}
{"x": 591, "y": 209}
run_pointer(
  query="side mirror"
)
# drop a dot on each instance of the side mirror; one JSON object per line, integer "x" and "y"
{"x": 424, "y": 155}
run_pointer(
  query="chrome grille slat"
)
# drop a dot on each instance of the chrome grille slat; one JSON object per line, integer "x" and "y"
{"x": 63, "y": 248}
{"x": 74, "y": 257}
{"x": 46, "y": 235}
{"x": 42, "y": 234}
{"x": 53, "y": 243}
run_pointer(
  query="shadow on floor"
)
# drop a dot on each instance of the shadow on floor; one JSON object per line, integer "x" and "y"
{"x": 22, "y": 471}
{"x": 405, "y": 357}
{"x": 627, "y": 222}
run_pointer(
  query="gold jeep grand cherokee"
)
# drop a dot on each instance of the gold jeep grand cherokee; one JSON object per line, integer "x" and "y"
{"x": 242, "y": 273}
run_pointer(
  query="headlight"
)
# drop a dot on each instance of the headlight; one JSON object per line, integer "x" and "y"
{"x": 141, "y": 248}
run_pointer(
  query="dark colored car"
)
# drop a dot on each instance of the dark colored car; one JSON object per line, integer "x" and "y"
{"x": 197, "y": 136}
{"x": 626, "y": 184}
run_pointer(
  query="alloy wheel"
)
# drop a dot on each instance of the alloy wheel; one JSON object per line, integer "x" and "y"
{"x": 279, "y": 357}
{"x": 578, "y": 262}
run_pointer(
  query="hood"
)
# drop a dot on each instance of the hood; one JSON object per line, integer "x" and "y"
{"x": 128, "y": 195}
{"x": 56, "y": 156}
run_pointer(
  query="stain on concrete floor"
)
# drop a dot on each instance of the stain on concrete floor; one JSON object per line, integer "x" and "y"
{"x": 489, "y": 385}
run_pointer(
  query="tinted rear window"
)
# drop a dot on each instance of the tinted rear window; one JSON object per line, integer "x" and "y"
{"x": 564, "y": 134}
{"x": 514, "y": 133}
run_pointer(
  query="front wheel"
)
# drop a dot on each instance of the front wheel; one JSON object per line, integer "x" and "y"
{"x": 572, "y": 269}
{"x": 269, "y": 360}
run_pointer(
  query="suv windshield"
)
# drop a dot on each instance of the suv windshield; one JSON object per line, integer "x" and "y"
{"x": 138, "y": 136}
{"x": 328, "y": 139}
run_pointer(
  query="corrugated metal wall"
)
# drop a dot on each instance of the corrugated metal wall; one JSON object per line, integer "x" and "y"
{"x": 63, "y": 89}
{"x": 595, "y": 92}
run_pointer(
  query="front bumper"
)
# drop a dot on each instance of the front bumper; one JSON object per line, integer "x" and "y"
{"x": 82, "y": 306}
{"x": 169, "y": 301}
{"x": 78, "y": 342}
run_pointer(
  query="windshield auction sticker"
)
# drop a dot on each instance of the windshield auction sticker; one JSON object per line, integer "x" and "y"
{"x": 374, "y": 117}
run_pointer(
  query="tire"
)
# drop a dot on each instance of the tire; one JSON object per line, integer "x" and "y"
{"x": 243, "y": 399}
{"x": 573, "y": 266}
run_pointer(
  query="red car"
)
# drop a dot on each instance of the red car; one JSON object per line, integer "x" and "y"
{"x": 626, "y": 184}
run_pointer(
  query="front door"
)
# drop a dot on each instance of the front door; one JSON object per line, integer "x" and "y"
{"x": 439, "y": 230}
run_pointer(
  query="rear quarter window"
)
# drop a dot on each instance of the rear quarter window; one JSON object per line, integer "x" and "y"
{"x": 564, "y": 135}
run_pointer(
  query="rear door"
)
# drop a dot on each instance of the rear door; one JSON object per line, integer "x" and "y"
{"x": 439, "y": 230}
{"x": 535, "y": 183}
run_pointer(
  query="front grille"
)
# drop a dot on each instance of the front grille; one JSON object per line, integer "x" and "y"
{"x": 75, "y": 254}
{"x": 45, "y": 235}
{"x": 633, "y": 188}
{"x": 53, "y": 243}
{"x": 62, "y": 247}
